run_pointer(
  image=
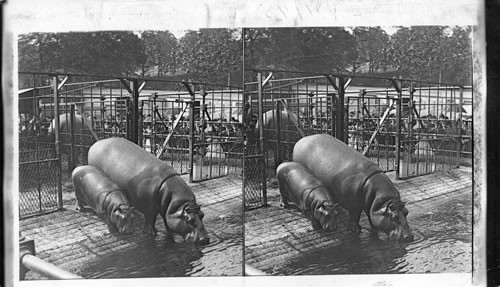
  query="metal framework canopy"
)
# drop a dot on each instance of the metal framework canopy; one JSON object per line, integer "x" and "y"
{"x": 408, "y": 126}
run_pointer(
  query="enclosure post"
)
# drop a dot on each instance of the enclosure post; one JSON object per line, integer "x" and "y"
{"x": 202, "y": 113}
{"x": 152, "y": 141}
{"x": 333, "y": 98}
{"x": 140, "y": 126}
{"x": 398, "y": 133}
{"x": 277, "y": 156}
{"x": 191, "y": 136}
{"x": 460, "y": 125}
{"x": 71, "y": 162}
{"x": 129, "y": 119}
{"x": 57, "y": 141}
{"x": 339, "y": 107}
{"x": 135, "y": 111}
{"x": 261, "y": 137}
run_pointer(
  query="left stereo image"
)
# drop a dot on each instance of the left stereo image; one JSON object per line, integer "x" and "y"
{"x": 131, "y": 149}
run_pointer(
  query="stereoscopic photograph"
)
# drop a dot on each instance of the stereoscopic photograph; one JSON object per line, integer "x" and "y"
{"x": 246, "y": 143}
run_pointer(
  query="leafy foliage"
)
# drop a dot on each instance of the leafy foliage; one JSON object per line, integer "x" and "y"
{"x": 161, "y": 49}
{"x": 434, "y": 53}
{"x": 106, "y": 53}
{"x": 211, "y": 55}
{"x": 370, "y": 44}
{"x": 307, "y": 49}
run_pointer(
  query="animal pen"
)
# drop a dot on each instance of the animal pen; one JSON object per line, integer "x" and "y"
{"x": 407, "y": 126}
{"x": 195, "y": 127}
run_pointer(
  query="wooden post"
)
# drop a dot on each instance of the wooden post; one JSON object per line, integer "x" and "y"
{"x": 152, "y": 141}
{"x": 339, "y": 107}
{"x": 135, "y": 111}
{"x": 57, "y": 141}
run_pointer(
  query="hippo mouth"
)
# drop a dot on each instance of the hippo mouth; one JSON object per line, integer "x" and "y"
{"x": 398, "y": 236}
{"x": 194, "y": 239}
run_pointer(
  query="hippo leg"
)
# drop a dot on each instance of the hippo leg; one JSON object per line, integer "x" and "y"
{"x": 111, "y": 227}
{"x": 149, "y": 224}
{"x": 79, "y": 206}
{"x": 170, "y": 232}
{"x": 315, "y": 224}
{"x": 284, "y": 202}
{"x": 354, "y": 221}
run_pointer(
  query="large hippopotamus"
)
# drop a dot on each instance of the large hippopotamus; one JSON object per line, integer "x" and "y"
{"x": 307, "y": 192}
{"x": 289, "y": 133}
{"x": 356, "y": 183}
{"x": 81, "y": 127}
{"x": 80, "y": 124}
{"x": 94, "y": 189}
{"x": 152, "y": 187}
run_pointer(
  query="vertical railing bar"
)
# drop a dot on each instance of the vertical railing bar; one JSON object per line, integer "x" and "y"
{"x": 57, "y": 141}
{"x": 191, "y": 135}
{"x": 261, "y": 139}
{"x": 398, "y": 133}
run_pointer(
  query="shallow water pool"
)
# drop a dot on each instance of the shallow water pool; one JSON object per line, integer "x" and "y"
{"x": 443, "y": 243}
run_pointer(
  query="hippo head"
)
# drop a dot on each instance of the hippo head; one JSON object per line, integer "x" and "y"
{"x": 326, "y": 213}
{"x": 123, "y": 218}
{"x": 392, "y": 220}
{"x": 188, "y": 223}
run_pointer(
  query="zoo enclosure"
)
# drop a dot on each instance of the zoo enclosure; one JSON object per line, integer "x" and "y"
{"x": 407, "y": 126}
{"x": 195, "y": 127}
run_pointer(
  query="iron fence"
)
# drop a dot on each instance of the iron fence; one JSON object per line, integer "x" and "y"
{"x": 407, "y": 126}
{"x": 61, "y": 116}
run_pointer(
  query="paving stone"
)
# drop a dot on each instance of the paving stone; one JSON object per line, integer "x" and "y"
{"x": 71, "y": 239}
{"x": 274, "y": 235}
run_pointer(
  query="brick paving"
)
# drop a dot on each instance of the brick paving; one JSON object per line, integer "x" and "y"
{"x": 274, "y": 235}
{"x": 71, "y": 239}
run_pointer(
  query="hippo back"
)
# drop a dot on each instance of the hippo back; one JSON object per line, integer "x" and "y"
{"x": 270, "y": 124}
{"x": 342, "y": 169}
{"x": 137, "y": 172}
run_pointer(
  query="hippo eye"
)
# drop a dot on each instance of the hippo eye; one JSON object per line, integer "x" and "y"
{"x": 190, "y": 219}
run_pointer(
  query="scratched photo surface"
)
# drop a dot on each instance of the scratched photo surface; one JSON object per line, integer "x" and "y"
{"x": 195, "y": 87}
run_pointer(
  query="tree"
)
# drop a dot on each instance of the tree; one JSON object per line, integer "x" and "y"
{"x": 370, "y": 44}
{"x": 433, "y": 53}
{"x": 307, "y": 49}
{"x": 211, "y": 55}
{"x": 101, "y": 53}
{"x": 161, "y": 50}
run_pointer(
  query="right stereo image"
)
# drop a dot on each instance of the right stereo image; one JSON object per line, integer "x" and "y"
{"x": 358, "y": 155}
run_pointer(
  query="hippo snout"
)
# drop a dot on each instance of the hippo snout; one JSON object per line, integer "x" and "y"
{"x": 197, "y": 238}
{"x": 407, "y": 237}
{"x": 204, "y": 240}
{"x": 401, "y": 236}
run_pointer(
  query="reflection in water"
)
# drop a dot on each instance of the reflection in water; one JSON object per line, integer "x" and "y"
{"x": 156, "y": 257}
{"x": 443, "y": 243}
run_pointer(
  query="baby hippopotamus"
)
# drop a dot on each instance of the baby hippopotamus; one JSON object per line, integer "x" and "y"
{"x": 298, "y": 185}
{"x": 94, "y": 189}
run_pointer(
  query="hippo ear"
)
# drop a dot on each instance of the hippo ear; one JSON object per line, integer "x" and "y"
{"x": 118, "y": 212}
{"x": 323, "y": 210}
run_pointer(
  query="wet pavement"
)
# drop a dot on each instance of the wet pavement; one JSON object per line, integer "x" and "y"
{"x": 283, "y": 242}
{"x": 81, "y": 243}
